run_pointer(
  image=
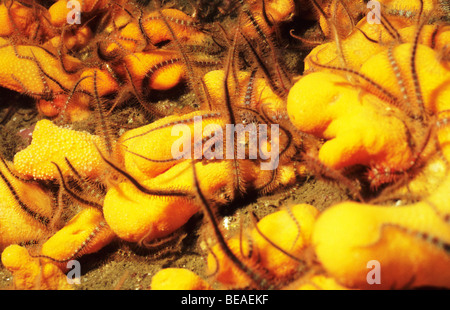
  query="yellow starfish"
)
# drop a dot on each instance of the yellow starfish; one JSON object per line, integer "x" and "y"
{"x": 54, "y": 144}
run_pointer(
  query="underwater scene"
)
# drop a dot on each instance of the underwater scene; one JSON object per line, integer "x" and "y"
{"x": 224, "y": 145}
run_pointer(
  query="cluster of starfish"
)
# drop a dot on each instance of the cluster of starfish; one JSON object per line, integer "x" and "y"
{"x": 373, "y": 98}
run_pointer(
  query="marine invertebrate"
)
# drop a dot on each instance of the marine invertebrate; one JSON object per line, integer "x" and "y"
{"x": 409, "y": 242}
{"x": 129, "y": 184}
{"x": 398, "y": 75}
{"x": 156, "y": 169}
{"x": 25, "y": 205}
{"x": 270, "y": 255}
{"x": 53, "y": 144}
{"x": 405, "y": 99}
{"x": 57, "y": 67}
{"x": 162, "y": 70}
{"x": 17, "y": 18}
{"x": 272, "y": 251}
{"x": 355, "y": 32}
{"x": 85, "y": 233}
{"x": 30, "y": 69}
{"x": 29, "y": 273}
{"x": 337, "y": 117}
{"x": 337, "y": 18}
{"x": 178, "y": 279}
{"x": 158, "y": 213}
{"x": 146, "y": 184}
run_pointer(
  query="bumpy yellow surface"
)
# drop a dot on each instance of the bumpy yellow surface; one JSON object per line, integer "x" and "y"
{"x": 24, "y": 75}
{"x": 361, "y": 128}
{"x": 16, "y": 225}
{"x": 362, "y": 125}
{"x": 432, "y": 74}
{"x": 410, "y": 242}
{"x": 52, "y": 144}
{"x": 356, "y": 49}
